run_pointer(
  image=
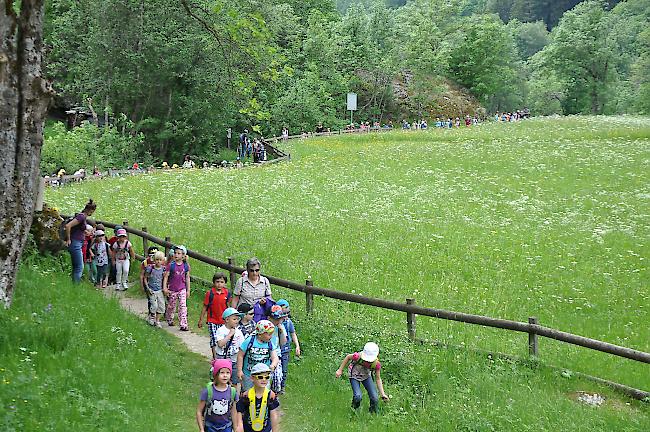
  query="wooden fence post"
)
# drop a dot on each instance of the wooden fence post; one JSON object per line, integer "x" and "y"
{"x": 167, "y": 239}
{"x": 309, "y": 297}
{"x": 533, "y": 349}
{"x": 231, "y": 261}
{"x": 145, "y": 244}
{"x": 410, "y": 320}
{"x": 125, "y": 223}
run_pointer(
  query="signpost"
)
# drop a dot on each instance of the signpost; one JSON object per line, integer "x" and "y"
{"x": 352, "y": 104}
{"x": 229, "y": 135}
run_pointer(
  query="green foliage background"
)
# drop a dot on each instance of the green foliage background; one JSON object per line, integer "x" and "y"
{"x": 182, "y": 72}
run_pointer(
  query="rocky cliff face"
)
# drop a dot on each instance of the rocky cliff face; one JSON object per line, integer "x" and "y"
{"x": 45, "y": 230}
{"x": 431, "y": 97}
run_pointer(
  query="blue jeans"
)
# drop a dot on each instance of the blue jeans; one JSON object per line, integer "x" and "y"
{"x": 369, "y": 384}
{"x": 286, "y": 356}
{"x": 77, "y": 259}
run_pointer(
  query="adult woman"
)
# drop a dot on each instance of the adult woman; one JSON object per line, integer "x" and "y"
{"x": 74, "y": 238}
{"x": 251, "y": 287}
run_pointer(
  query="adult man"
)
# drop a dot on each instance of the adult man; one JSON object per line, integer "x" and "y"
{"x": 252, "y": 287}
{"x": 243, "y": 144}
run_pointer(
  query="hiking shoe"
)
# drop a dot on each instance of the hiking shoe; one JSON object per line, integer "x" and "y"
{"x": 184, "y": 329}
{"x": 151, "y": 321}
{"x": 170, "y": 323}
{"x": 158, "y": 324}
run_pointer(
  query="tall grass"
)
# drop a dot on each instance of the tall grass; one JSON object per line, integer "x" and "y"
{"x": 546, "y": 218}
{"x": 72, "y": 360}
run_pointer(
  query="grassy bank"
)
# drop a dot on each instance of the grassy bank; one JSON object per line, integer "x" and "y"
{"x": 545, "y": 218}
{"x": 71, "y": 360}
{"x": 439, "y": 389}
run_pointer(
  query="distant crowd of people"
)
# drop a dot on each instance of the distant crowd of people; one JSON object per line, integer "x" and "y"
{"x": 512, "y": 116}
{"x": 250, "y": 148}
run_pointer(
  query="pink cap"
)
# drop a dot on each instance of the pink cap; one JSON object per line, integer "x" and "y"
{"x": 219, "y": 364}
{"x": 120, "y": 232}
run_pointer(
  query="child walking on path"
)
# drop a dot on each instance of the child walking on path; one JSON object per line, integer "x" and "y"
{"x": 278, "y": 339}
{"x": 100, "y": 258}
{"x": 123, "y": 253}
{"x": 256, "y": 348}
{"x": 257, "y": 408}
{"x": 290, "y": 331}
{"x": 362, "y": 366}
{"x": 228, "y": 339}
{"x": 87, "y": 252}
{"x": 215, "y": 303}
{"x": 153, "y": 283}
{"x": 176, "y": 286}
{"x": 216, "y": 411}
{"x": 149, "y": 261}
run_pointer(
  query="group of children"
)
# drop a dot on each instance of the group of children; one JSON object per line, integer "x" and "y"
{"x": 250, "y": 361}
{"x": 251, "y": 348}
{"x": 164, "y": 280}
{"x": 166, "y": 283}
{"x": 106, "y": 260}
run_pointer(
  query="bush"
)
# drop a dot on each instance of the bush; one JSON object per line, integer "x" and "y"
{"x": 88, "y": 146}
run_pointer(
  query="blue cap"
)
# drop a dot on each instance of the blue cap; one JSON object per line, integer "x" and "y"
{"x": 283, "y": 303}
{"x": 230, "y": 312}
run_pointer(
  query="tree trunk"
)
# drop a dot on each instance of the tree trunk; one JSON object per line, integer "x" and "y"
{"x": 92, "y": 111}
{"x": 25, "y": 95}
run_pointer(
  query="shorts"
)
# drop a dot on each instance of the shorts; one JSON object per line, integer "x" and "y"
{"x": 212, "y": 329}
{"x": 157, "y": 302}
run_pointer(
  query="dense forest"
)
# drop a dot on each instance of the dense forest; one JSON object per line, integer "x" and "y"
{"x": 172, "y": 75}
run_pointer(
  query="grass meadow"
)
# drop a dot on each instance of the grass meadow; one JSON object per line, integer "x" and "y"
{"x": 546, "y": 218}
{"x": 72, "y": 360}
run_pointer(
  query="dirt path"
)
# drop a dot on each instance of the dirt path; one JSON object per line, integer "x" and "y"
{"x": 195, "y": 342}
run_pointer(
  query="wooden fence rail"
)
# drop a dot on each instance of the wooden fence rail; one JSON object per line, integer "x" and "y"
{"x": 410, "y": 308}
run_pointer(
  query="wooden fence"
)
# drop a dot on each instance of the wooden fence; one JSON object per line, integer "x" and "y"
{"x": 532, "y": 327}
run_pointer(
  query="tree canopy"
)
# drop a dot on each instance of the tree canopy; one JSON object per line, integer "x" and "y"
{"x": 175, "y": 75}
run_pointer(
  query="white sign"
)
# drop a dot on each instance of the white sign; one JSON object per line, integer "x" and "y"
{"x": 352, "y": 101}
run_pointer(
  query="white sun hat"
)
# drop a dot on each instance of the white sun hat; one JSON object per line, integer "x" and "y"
{"x": 370, "y": 352}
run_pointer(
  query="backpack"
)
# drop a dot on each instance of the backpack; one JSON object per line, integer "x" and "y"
{"x": 122, "y": 254}
{"x": 172, "y": 267}
{"x": 373, "y": 365}
{"x": 63, "y": 224}
{"x": 209, "y": 400}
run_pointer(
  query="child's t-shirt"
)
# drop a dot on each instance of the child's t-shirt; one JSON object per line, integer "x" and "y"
{"x": 289, "y": 330}
{"x": 360, "y": 370}
{"x": 218, "y": 305}
{"x": 259, "y": 352}
{"x": 218, "y": 412}
{"x": 243, "y": 406}
{"x": 100, "y": 249}
{"x": 248, "y": 328}
{"x": 235, "y": 343}
{"x": 121, "y": 250}
{"x": 176, "y": 280}
{"x": 155, "y": 277}
{"x": 86, "y": 247}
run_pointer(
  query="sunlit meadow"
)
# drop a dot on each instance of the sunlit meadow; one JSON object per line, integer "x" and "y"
{"x": 546, "y": 218}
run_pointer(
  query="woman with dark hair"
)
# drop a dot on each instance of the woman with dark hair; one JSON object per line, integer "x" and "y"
{"x": 74, "y": 238}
